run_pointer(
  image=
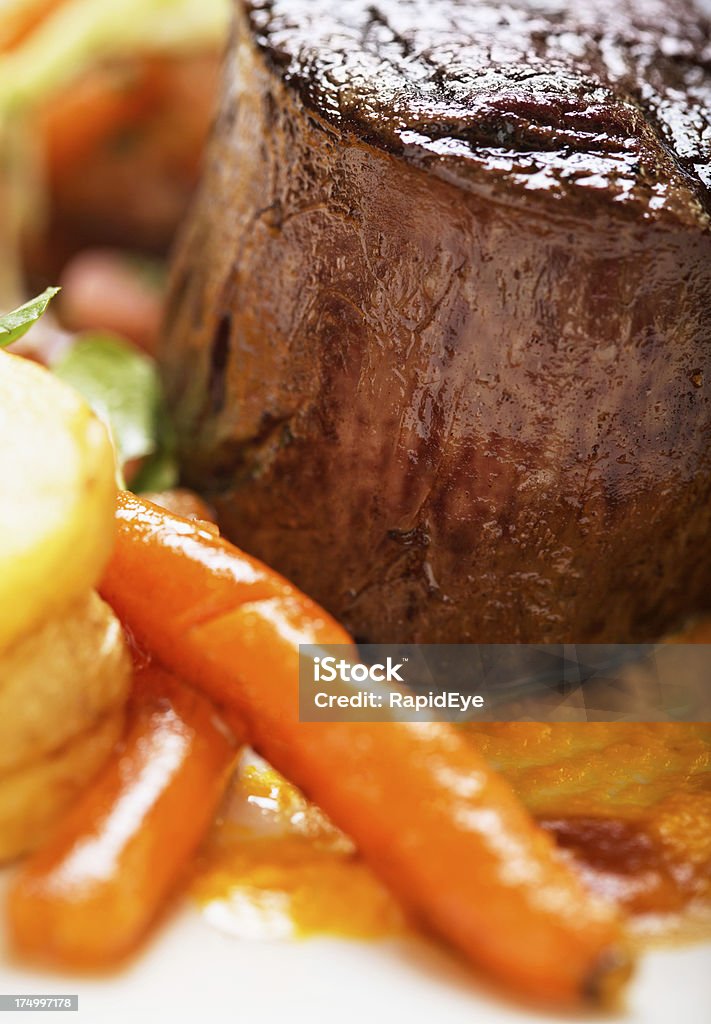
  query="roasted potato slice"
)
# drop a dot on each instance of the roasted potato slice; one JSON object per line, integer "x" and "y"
{"x": 32, "y": 797}
{"x": 58, "y": 681}
{"x": 57, "y": 492}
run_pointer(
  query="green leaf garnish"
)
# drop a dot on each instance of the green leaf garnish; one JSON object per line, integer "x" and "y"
{"x": 17, "y": 323}
{"x": 159, "y": 472}
{"x": 122, "y": 386}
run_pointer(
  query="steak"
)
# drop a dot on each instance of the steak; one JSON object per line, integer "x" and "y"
{"x": 438, "y": 345}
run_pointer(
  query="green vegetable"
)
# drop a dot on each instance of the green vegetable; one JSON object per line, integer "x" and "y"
{"x": 159, "y": 473}
{"x": 17, "y": 323}
{"x": 122, "y": 386}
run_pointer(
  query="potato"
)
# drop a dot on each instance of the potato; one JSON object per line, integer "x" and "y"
{"x": 59, "y": 680}
{"x": 32, "y": 798}
{"x": 57, "y": 493}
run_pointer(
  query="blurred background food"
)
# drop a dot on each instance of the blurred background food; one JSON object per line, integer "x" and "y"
{"x": 105, "y": 108}
{"x": 104, "y": 111}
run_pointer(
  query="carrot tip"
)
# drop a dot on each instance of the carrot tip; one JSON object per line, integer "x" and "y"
{"x": 605, "y": 984}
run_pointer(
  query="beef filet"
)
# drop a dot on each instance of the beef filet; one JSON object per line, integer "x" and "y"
{"x": 439, "y": 339}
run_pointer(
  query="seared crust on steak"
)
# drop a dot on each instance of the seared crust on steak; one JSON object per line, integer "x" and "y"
{"x": 570, "y": 99}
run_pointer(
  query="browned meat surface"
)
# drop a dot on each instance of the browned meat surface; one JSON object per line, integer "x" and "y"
{"x": 439, "y": 340}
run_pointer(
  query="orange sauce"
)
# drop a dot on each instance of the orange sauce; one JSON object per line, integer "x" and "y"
{"x": 629, "y": 803}
{"x": 274, "y": 866}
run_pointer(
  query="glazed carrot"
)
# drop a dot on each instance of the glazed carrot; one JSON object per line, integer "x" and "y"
{"x": 443, "y": 829}
{"x": 90, "y": 895}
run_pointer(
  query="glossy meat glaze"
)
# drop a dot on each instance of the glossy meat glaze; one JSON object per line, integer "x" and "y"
{"x": 439, "y": 339}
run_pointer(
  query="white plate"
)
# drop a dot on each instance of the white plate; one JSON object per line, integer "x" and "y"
{"x": 193, "y": 973}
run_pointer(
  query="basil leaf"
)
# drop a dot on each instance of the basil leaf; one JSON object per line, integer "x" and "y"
{"x": 123, "y": 387}
{"x": 17, "y": 323}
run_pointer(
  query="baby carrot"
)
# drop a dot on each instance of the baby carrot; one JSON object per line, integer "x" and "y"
{"x": 439, "y": 825}
{"x": 91, "y": 893}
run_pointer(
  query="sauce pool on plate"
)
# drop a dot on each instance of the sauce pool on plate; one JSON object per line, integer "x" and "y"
{"x": 629, "y": 803}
